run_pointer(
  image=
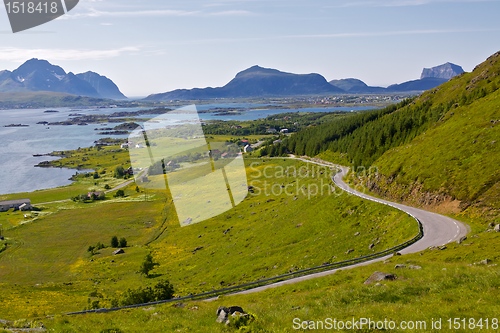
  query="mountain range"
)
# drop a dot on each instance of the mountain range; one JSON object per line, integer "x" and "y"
{"x": 257, "y": 81}
{"x": 39, "y": 75}
{"x": 430, "y": 78}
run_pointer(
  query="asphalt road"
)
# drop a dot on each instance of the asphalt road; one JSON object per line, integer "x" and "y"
{"x": 438, "y": 229}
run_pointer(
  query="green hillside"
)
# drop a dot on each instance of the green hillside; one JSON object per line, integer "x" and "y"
{"x": 438, "y": 149}
{"x": 453, "y": 164}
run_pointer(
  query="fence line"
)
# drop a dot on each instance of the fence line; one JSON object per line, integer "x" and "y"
{"x": 271, "y": 280}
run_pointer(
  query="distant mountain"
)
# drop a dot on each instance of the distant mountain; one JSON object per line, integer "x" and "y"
{"x": 257, "y": 82}
{"x": 430, "y": 78}
{"x": 355, "y": 86}
{"x": 446, "y": 71}
{"x": 40, "y": 75}
{"x": 416, "y": 85}
{"x": 104, "y": 86}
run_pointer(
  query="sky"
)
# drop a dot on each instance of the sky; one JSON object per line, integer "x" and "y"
{"x": 153, "y": 46}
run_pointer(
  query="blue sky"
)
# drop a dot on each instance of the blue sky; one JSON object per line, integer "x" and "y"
{"x": 151, "y": 46}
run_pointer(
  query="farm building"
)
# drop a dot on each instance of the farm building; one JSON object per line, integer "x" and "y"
{"x": 96, "y": 195}
{"x": 248, "y": 149}
{"x": 23, "y": 205}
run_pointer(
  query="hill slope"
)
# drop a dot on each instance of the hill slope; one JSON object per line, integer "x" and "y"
{"x": 442, "y": 147}
{"x": 456, "y": 160}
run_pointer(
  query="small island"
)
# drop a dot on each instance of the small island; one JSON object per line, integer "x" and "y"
{"x": 16, "y": 125}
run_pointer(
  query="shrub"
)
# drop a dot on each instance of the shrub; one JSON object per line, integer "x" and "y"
{"x": 93, "y": 249}
{"x": 119, "y": 194}
{"x": 123, "y": 242}
{"x": 114, "y": 242}
{"x": 163, "y": 290}
{"x": 148, "y": 265}
{"x": 119, "y": 172}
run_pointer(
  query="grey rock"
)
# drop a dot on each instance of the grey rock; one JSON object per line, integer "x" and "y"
{"x": 484, "y": 262}
{"x": 415, "y": 267}
{"x": 497, "y": 228}
{"x": 461, "y": 240}
{"x": 379, "y": 276}
{"x": 223, "y": 313}
{"x": 399, "y": 266}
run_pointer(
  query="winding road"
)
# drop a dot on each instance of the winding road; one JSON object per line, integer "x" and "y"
{"x": 438, "y": 229}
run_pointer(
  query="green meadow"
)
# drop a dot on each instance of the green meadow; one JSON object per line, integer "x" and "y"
{"x": 294, "y": 219}
{"x": 447, "y": 286}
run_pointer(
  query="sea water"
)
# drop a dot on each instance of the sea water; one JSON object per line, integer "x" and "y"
{"x": 19, "y": 144}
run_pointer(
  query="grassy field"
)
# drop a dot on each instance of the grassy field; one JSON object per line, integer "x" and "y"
{"x": 294, "y": 219}
{"x": 449, "y": 285}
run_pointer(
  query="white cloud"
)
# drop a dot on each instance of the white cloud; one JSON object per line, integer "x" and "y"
{"x": 22, "y": 54}
{"x": 387, "y": 33}
{"x": 400, "y": 3}
{"x": 93, "y": 13}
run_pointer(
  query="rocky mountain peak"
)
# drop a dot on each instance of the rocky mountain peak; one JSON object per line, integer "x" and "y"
{"x": 445, "y": 71}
